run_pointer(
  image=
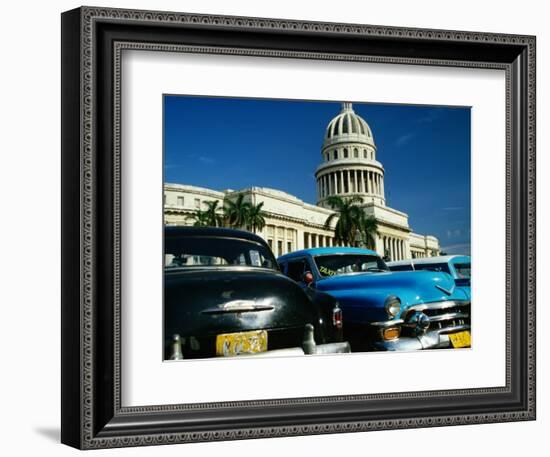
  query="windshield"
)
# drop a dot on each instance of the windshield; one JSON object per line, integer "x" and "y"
{"x": 433, "y": 267}
{"x": 333, "y": 265}
{"x": 463, "y": 270}
{"x": 407, "y": 267}
{"x": 204, "y": 251}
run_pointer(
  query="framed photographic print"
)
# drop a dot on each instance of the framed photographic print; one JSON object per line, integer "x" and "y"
{"x": 275, "y": 227}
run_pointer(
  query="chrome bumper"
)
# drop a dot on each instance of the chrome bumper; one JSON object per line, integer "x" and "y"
{"x": 329, "y": 348}
{"x": 435, "y": 339}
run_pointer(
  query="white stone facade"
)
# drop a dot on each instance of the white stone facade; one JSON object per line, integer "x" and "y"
{"x": 348, "y": 168}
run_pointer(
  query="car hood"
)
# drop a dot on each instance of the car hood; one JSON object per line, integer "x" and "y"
{"x": 212, "y": 301}
{"x": 412, "y": 287}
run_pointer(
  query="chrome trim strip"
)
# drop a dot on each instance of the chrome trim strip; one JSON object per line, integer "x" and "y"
{"x": 456, "y": 328}
{"x": 449, "y": 316}
{"x": 438, "y": 305}
{"x": 385, "y": 324}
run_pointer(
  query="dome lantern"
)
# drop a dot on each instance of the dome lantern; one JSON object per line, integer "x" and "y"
{"x": 348, "y": 124}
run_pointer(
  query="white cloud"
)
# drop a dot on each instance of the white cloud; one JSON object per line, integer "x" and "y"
{"x": 404, "y": 139}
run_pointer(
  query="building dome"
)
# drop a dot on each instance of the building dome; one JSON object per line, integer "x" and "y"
{"x": 348, "y": 161}
{"x": 348, "y": 125}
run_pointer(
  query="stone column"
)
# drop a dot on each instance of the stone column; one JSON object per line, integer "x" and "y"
{"x": 299, "y": 240}
{"x": 397, "y": 249}
{"x": 397, "y": 254}
{"x": 371, "y": 187}
{"x": 344, "y": 181}
{"x": 407, "y": 249}
{"x": 336, "y": 190}
{"x": 379, "y": 245}
{"x": 400, "y": 249}
{"x": 318, "y": 193}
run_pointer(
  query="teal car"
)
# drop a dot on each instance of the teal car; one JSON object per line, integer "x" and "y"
{"x": 385, "y": 310}
{"x": 458, "y": 266}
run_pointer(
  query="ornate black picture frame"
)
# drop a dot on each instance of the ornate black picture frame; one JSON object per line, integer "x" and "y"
{"x": 92, "y": 42}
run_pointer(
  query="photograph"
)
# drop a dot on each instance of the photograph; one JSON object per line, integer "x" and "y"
{"x": 311, "y": 227}
{"x": 269, "y": 220}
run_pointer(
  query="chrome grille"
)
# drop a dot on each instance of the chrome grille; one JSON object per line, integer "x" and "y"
{"x": 446, "y": 317}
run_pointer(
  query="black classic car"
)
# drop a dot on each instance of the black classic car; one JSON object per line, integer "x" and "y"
{"x": 225, "y": 296}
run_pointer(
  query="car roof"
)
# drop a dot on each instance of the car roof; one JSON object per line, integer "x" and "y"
{"x": 326, "y": 251}
{"x": 429, "y": 260}
{"x": 179, "y": 230}
{"x": 399, "y": 262}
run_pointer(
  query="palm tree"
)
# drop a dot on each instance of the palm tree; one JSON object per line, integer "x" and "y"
{"x": 256, "y": 218}
{"x": 236, "y": 212}
{"x": 349, "y": 218}
{"x": 200, "y": 218}
{"x": 213, "y": 217}
{"x": 368, "y": 226}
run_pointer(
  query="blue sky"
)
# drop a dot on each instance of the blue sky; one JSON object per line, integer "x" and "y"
{"x": 223, "y": 143}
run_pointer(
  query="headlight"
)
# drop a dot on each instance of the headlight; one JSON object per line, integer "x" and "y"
{"x": 392, "y": 305}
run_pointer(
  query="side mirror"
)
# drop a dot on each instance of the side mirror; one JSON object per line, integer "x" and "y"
{"x": 308, "y": 278}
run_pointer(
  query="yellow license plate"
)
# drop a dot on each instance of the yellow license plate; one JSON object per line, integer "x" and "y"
{"x": 230, "y": 344}
{"x": 460, "y": 339}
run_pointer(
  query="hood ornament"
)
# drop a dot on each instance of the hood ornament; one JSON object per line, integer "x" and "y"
{"x": 447, "y": 291}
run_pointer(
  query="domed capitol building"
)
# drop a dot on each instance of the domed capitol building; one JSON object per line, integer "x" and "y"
{"x": 348, "y": 168}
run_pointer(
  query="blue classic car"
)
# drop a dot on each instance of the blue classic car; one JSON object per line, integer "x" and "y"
{"x": 458, "y": 266}
{"x": 385, "y": 310}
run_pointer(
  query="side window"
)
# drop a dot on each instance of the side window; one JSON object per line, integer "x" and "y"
{"x": 307, "y": 266}
{"x": 295, "y": 270}
{"x": 401, "y": 268}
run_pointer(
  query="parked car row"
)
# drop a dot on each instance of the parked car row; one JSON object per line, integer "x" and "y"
{"x": 225, "y": 294}
{"x": 385, "y": 310}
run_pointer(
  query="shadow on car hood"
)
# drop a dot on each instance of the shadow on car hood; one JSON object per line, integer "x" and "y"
{"x": 427, "y": 284}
